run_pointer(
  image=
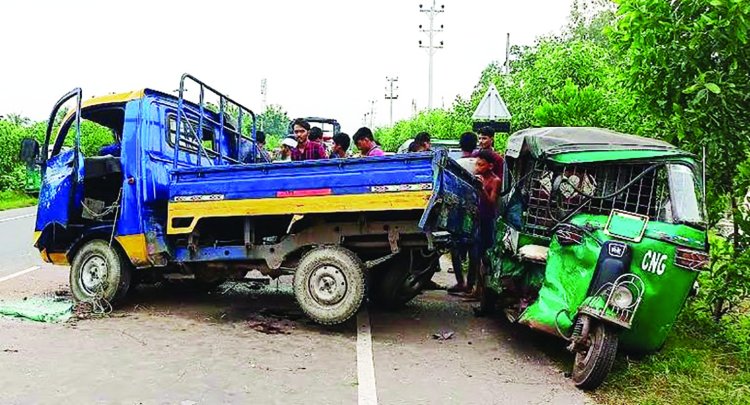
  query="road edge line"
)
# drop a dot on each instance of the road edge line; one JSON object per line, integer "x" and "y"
{"x": 19, "y": 273}
{"x": 366, "y": 389}
{"x": 15, "y": 218}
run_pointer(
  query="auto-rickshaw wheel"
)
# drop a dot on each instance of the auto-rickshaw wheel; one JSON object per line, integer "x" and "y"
{"x": 329, "y": 284}
{"x": 99, "y": 272}
{"x": 591, "y": 366}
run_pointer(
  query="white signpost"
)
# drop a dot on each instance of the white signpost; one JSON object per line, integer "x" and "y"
{"x": 492, "y": 112}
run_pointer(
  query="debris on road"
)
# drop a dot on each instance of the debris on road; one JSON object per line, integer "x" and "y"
{"x": 44, "y": 309}
{"x": 444, "y": 334}
{"x": 270, "y": 325}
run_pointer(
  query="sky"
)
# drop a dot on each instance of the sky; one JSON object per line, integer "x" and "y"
{"x": 324, "y": 58}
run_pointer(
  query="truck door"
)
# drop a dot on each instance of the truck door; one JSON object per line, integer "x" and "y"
{"x": 62, "y": 170}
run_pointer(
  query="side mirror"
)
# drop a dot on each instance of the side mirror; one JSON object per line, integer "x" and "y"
{"x": 29, "y": 151}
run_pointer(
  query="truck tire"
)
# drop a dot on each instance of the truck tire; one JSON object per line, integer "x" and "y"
{"x": 590, "y": 368}
{"x": 329, "y": 284}
{"x": 99, "y": 272}
{"x": 398, "y": 286}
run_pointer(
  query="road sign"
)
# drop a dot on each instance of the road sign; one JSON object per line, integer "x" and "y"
{"x": 492, "y": 107}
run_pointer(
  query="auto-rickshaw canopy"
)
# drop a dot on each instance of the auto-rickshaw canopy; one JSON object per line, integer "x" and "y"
{"x": 584, "y": 144}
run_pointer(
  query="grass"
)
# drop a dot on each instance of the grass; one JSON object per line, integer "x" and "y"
{"x": 702, "y": 363}
{"x": 10, "y": 199}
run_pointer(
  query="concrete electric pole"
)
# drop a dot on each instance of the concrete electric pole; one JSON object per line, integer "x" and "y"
{"x": 263, "y": 95}
{"x": 431, "y": 46}
{"x": 507, "y": 54}
{"x": 372, "y": 112}
{"x": 390, "y": 95}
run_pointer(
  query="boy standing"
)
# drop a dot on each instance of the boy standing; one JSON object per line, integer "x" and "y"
{"x": 487, "y": 143}
{"x": 468, "y": 143}
{"x": 491, "y": 188}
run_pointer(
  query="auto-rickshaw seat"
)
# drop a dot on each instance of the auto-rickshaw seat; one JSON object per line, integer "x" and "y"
{"x": 533, "y": 253}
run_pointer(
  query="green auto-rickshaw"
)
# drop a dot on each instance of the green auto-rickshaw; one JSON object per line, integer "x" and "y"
{"x": 599, "y": 241}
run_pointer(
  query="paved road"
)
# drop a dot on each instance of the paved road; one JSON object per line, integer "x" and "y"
{"x": 16, "y": 238}
{"x": 177, "y": 346}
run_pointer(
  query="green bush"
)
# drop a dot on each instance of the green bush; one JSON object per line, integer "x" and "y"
{"x": 440, "y": 124}
{"x": 11, "y": 169}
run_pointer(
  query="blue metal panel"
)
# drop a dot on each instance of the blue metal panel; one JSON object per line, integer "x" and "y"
{"x": 61, "y": 191}
{"x": 341, "y": 176}
{"x": 130, "y": 220}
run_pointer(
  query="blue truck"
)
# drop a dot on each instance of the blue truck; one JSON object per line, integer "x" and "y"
{"x": 184, "y": 191}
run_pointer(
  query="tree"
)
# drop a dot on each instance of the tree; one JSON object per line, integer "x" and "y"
{"x": 274, "y": 121}
{"x": 18, "y": 120}
{"x": 689, "y": 63}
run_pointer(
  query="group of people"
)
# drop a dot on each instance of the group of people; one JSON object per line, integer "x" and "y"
{"x": 306, "y": 143}
{"x": 477, "y": 156}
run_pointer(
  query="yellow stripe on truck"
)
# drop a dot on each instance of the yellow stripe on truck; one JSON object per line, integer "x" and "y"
{"x": 409, "y": 200}
{"x": 135, "y": 247}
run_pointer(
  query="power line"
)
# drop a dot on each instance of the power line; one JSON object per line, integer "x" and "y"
{"x": 431, "y": 46}
{"x": 389, "y": 95}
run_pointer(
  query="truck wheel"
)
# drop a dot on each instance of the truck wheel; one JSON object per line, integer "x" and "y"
{"x": 99, "y": 271}
{"x": 591, "y": 366}
{"x": 399, "y": 286}
{"x": 329, "y": 284}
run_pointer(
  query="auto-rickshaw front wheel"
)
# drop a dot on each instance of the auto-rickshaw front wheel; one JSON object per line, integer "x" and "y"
{"x": 592, "y": 365}
{"x": 99, "y": 272}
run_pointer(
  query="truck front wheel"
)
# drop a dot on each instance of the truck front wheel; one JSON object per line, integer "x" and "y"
{"x": 329, "y": 284}
{"x": 99, "y": 272}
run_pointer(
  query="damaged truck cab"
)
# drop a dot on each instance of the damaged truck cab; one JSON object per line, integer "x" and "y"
{"x": 184, "y": 190}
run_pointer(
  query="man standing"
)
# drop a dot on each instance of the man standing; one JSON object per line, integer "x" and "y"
{"x": 341, "y": 144}
{"x": 468, "y": 143}
{"x": 365, "y": 142}
{"x": 306, "y": 150}
{"x": 487, "y": 143}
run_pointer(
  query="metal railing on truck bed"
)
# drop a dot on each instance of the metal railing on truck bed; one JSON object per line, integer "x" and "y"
{"x": 205, "y": 115}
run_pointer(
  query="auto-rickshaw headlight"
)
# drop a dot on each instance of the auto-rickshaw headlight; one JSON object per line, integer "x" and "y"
{"x": 622, "y": 297}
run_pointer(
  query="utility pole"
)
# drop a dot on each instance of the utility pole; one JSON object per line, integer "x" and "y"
{"x": 389, "y": 95}
{"x": 507, "y": 53}
{"x": 372, "y": 112}
{"x": 263, "y": 95}
{"x": 264, "y": 91}
{"x": 413, "y": 107}
{"x": 431, "y": 46}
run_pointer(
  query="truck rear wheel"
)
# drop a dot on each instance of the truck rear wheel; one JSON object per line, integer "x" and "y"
{"x": 399, "y": 285}
{"x": 329, "y": 284}
{"x": 99, "y": 272}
